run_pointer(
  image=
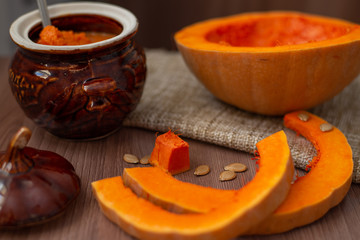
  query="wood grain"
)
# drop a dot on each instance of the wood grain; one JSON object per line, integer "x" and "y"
{"x": 99, "y": 159}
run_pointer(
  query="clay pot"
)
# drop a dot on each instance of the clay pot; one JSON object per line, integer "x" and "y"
{"x": 84, "y": 91}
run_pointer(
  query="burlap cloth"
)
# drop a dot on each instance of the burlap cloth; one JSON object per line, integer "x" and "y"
{"x": 174, "y": 99}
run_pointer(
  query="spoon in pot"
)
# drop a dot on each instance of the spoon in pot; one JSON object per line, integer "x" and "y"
{"x": 42, "y": 5}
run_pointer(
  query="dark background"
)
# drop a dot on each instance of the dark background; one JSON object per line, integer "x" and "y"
{"x": 160, "y": 19}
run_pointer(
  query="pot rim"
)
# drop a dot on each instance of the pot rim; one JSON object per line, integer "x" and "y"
{"x": 20, "y": 28}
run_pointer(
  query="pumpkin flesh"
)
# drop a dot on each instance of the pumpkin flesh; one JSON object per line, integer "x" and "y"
{"x": 272, "y": 32}
{"x": 269, "y": 32}
{"x": 170, "y": 153}
{"x": 252, "y": 203}
{"x": 162, "y": 189}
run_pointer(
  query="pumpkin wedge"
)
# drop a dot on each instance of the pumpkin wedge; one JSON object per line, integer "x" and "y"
{"x": 310, "y": 197}
{"x": 327, "y": 183}
{"x": 251, "y": 204}
{"x": 159, "y": 187}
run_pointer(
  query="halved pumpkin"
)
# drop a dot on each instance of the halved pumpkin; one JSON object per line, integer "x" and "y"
{"x": 325, "y": 186}
{"x": 272, "y": 62}
{"x": 251, "y": 204}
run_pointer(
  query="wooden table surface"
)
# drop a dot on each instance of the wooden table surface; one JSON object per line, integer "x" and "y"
{"x": 94, "y": 160}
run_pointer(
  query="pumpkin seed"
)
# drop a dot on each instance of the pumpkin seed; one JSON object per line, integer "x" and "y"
{"x": 227, "y": 175}
{"x": 202, "y": 170}
{"x": 145, "y": 160}
{"x": 303, "y": 117}
{"x": 236, "y": 167}
{"x": 130, "y": 158}
{"x": 326, "y": 127}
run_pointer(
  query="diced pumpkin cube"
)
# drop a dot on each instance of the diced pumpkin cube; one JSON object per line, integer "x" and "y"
{"x": 171, "y": 153}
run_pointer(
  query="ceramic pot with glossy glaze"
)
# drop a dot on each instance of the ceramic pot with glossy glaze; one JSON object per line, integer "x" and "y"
{"x": 83, "y": 91}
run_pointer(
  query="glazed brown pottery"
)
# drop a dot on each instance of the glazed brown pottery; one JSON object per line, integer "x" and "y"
{"x": 84, "y": 91}
{"x": 35, "y": 185}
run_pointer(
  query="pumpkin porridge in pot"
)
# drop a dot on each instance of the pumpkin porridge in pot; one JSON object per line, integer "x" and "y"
{"x": 51, "y": 35}
{"x": 84, "y": 75}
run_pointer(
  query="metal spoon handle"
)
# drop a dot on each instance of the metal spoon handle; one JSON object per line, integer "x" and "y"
{"x": 42, "y": 5}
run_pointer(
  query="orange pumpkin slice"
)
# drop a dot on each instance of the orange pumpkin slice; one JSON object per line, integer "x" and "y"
{"x": 251, "y": 204}
{"x": 325, "y": 186}
{"x": 161, "y": 188}
{"x": 310, "y": 197}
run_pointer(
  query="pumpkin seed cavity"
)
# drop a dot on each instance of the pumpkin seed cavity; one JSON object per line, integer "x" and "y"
{"x": 202, "y": 170}
{"x": 130, "y": 158}
{"x": 326, "y": 127}
{"x": 227, "y": 175}
{"x": 236, "y": 167}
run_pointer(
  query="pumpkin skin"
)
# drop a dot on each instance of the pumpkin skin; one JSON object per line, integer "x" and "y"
{"x": 252, "y": 203}
{"x": 260, "y": 76}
